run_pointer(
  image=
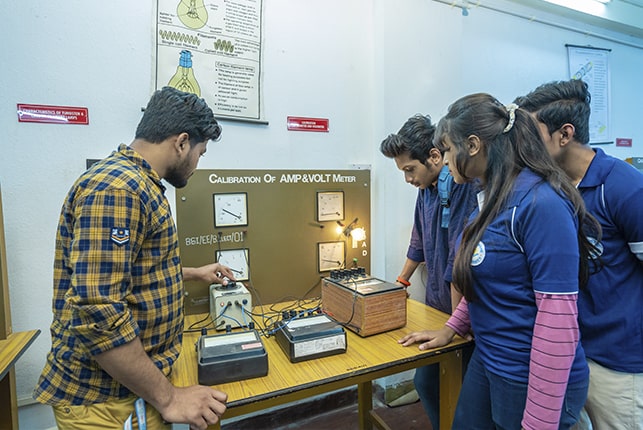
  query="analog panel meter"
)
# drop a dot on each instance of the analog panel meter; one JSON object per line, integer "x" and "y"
{"x": 236, "y": 260}
{"x": 330, "y": 255}
{"x": 230, "y": 209}
{"x": 330, "y": 205}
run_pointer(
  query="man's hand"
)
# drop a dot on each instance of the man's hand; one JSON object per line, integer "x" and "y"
{"x": 213, "y": 273}
{"x": 429, "y": 338}
{"x": 198, "y": 405}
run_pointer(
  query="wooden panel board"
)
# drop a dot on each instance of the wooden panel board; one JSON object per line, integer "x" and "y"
{"x": 282, "y": 232}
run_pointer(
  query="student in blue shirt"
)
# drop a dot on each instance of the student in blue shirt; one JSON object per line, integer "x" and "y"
{"x": 610, "y": 309}
{"x": 436, "y": 227}
{"x": 522, "y": 257}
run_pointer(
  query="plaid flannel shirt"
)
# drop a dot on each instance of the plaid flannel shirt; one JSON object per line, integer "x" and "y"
{"x": 117, "y": 276}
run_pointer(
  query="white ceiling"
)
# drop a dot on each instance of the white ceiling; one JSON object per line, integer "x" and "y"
{"x": 638, "y": 3}
{"x": 622, "y": 16}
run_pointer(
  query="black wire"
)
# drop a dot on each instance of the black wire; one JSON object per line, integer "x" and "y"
{"x": 348, "y": 323}
{"x": 192, "y": 327}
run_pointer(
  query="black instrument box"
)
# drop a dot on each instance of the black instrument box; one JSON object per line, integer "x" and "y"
{"x": 310, "y": 337}
{"x": 231, "y": 357}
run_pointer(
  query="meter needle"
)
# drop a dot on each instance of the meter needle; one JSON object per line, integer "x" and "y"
{"x": 231, "y": 213}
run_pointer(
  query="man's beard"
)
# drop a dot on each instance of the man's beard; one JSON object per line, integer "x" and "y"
{"x": 178, "y": 176}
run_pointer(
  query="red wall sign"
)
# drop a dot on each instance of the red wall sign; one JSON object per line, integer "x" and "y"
{"x": 52, "y": 114}
{"x": 298, "y": 123}
{"x": 620, "y": 141}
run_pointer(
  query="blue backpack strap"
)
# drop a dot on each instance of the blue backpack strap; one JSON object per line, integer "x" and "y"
{"x": 445, "y": 182}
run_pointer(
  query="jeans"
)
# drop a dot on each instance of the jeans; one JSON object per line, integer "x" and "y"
{"x": 427, "y": 385}
{"x": 488, "y": 401}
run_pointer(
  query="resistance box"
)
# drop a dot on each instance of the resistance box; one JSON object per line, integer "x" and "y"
{"x": 309, "y": 337}
{"x": 363, "y": 304}
{"x": 231, "y": 357}
{"x": 229, "y": 305}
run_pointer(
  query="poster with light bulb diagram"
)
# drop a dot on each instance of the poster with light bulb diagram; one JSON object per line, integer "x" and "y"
{"x": 212, "y": 48}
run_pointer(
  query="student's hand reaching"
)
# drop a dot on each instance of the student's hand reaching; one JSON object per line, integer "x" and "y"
{"x": 429, "y": 338}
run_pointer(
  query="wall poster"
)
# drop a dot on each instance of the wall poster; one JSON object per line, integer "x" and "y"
{"x": 592, "y": 66}
{"x": 212, "y": 48}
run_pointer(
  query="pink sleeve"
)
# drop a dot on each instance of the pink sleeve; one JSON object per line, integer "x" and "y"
{"x": 459, "y": 320}
{"x": 553, "y": 350}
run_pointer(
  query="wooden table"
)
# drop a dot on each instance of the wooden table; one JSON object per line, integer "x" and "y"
{"x": 11, "y": 349}
{"x": 365, "y": 360}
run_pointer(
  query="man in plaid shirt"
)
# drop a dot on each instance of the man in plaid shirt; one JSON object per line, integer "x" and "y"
{"x": 118, "y": 280}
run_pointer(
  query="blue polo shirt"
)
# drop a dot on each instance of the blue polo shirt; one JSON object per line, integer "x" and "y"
{"x": 434, "y": 245}
{"x": 530, "y": 247}
{"x": 610, "y": 310}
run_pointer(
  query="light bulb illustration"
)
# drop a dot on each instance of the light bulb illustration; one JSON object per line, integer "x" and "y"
{"x": 184, "y": 79}
{"x": 584, "y": 70}
{"x": 192, "y": 13}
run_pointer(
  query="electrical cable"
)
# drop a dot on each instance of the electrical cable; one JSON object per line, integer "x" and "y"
{"x": 350, "y": 319}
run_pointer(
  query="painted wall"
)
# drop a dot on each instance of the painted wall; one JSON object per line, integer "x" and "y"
{"x": 365, "y": 65}
{"x": 428, "y": 54}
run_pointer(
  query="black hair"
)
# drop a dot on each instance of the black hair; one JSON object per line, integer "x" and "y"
{"x": 394, "y": 145}
{"x": 170, "y": 112}
{"x": 558, "y": 103}
{"x": 507, "y": 153}
{"x": 415, "y": 138}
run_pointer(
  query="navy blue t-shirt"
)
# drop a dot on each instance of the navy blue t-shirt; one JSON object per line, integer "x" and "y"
{"x": 610, "y": 309}
{"x": 531, "y": 247}
{"x": 434, "y": 245}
